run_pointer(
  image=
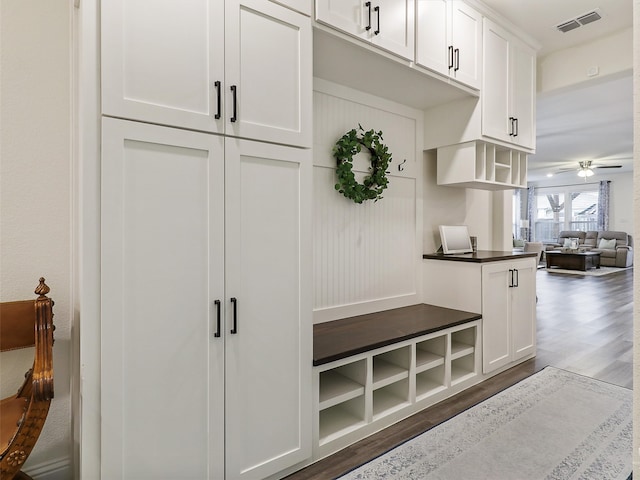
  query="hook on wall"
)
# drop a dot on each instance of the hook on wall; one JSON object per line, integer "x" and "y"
{"x": 400, "y": 167}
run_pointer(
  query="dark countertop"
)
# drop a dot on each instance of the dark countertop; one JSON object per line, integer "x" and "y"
{"x": 342, "y": 338}
{"x": 481, "y": 256}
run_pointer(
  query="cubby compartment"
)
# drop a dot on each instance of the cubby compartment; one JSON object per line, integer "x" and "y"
{"x": 463, "y": 368}
{"x": 341, "y": 419}
{"x": 390, "y": 398}
{"x": 430, "y": 353}
{"x": 429, "y": 382}
{"x": 342, "y": 384}
{"x": 391, "y": 367}
{"x": 463, "y": 342}
{"x": 482, "y": 165}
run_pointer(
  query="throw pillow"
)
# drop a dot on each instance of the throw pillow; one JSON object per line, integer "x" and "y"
{"x": 607, "y": 244}
{"x": 567, "y": 243}
{"x": 518, "y": 243}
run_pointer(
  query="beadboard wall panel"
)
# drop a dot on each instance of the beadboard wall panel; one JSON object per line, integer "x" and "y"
{"x": 366, "y": 257}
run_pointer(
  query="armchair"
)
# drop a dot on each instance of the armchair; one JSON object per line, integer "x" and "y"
{"x": 615, "y": 248}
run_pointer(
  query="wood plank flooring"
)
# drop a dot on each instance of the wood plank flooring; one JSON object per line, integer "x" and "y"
{"x": 585, "y": 325}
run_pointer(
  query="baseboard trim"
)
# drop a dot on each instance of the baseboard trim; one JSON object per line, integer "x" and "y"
{"x": 57, "y": 469}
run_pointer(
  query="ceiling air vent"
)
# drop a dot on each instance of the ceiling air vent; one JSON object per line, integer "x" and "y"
{"x": 588, "y": 18}
{"x": 568, "y": 26}
{"x": 579, "y": 21}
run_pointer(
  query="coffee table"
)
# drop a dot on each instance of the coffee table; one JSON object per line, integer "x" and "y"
{"x": 573, "y": 260}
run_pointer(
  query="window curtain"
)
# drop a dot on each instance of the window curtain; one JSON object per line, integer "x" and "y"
{"x": 604, "y": 193}
{"x": 531, "y": 204}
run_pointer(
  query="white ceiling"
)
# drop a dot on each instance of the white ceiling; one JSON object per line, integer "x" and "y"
{"x": 590, "y": 123}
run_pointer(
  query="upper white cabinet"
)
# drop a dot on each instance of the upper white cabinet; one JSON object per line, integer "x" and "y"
{"x": 207, "y": 65}
{"x": 302, "y": 6}
{"x": 508, "y": 87}
{"x": 449, "y": 39}
{"x": 388, "y": 24}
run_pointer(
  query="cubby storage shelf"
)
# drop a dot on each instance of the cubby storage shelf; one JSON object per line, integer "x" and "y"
{"x": 481, "y": 165}
{"x": 364, "y": 392}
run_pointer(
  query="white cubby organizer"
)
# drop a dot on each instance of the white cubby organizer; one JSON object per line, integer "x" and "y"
{"x": 366, "y": 392}
{"x": 481, "y": 165}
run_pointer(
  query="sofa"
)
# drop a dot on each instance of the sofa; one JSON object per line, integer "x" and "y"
{"x": 615, "y": 248}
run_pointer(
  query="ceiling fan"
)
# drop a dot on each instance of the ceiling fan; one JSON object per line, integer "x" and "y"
{"x": 585, "y": 168}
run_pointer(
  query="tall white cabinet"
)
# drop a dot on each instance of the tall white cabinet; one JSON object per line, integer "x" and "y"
{"x": 206, "y": 328}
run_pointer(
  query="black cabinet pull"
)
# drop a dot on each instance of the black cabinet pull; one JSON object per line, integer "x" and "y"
{"x": 217, "y": 332}
{"x": 457, "y": 62}
{"x": 368, "y": 27}
{"x": 517, "y": 279}
{"x": 511, "y": 119}
{"x": 450, "y": 57}
{"x": 515, "y": 121}
{"x": 510, "y": 278}
{"x": 377, "y": 9}
{"x": 234, "y": 94}
{"x": 234, "y": 302}
{"x": 218, "y": 99}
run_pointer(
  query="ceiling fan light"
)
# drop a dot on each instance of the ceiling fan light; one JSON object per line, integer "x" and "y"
{"x": 585, "y": 172}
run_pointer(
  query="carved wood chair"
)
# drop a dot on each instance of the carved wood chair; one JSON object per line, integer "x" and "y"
{"x": 27, "y": 323}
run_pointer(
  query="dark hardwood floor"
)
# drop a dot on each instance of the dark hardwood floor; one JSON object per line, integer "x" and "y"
{"x": 585, "y": 325}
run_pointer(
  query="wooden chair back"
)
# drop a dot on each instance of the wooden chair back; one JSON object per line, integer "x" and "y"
{"x": 27, "y": 323}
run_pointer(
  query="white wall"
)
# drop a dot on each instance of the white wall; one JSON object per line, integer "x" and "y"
{"x": 366, "y": 256}
{"x": 36, "y": 195}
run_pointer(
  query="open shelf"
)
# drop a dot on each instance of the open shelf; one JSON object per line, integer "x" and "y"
{"x": 430, "y": 382}
{"x": 390, "y": 399}
{"x": 337, "y": 388}
{"x": 463, "y": 343}
{"x": 341, "y": 419}
{"x": 430, "y": 353}
{"x": 391, "y": 367}
{"x": 462, "y": 369}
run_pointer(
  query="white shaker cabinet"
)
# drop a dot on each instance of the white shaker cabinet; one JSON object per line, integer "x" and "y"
{"x": 449, "y": 39}
{"x": 388, "y": 24}
{"x": 240, "y": 67}
{"x": 508, "y": 312}
{"x": 508, "y": 87}
{"x": 206, "y": 358}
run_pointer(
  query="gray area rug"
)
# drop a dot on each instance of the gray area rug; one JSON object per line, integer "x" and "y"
{"x": 592, "y": 272}
{"x": 552, "y": 425}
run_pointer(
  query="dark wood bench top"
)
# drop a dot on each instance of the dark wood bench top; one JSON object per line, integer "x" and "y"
{"x": 342, "y": 338}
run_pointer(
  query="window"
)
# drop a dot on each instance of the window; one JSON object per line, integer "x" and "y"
{"x": 571, "y": 207}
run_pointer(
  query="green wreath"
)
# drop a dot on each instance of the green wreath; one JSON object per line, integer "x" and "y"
{"x": 373, "y": 184}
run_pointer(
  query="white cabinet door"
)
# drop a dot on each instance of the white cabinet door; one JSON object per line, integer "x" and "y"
{"x": 523, "y": 309}
{"x": 354, "y": 17}
{"x": 268, "y": 73}
{"x": 393, "y": 26}
{"x": 508, "y": 88}
{"x": 523, "y": 94}
{"x": 496, "y": 82}
{"x": 432, "y": 35}
{"x": 496, "y": 324}
{"x": 268, "y": 243}
{"x": 162, "y": 397}
{"x": 302, "y": 6}
{"x": 466, "y": 39}
{"x": 163, "y": 62}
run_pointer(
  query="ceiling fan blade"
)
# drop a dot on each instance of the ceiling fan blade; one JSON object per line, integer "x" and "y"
{"x": 607, "y": 166}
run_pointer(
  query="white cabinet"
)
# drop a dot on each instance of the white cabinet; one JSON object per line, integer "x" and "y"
{"x": 207, "y": 65}
{"x": 508, "y": 87}
{"x": 449, "y": 39}
{"x": 388, "y": 24}
{"x": 481, "y": 165}
{"x": 502, "y": 290}
{"x": 207, "y": 359}
{"x": 508, "y": 311}
{"x": 302, "y": 6}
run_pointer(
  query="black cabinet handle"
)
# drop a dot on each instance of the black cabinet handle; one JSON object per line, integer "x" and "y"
{"x": 517, "y": 279}
{"x": 457, "y": 62}
{"x": 515, "y": 121}
{"x": 450, "y": 57}
{"x": 234, "y": 94}
{"x": 511, "y": 119}
{"x": 368, "y": 27}
{"x": 218, "y": 99}
{"x": 510, "y": 278}
{"x": 377, "y": 9}
{"x": 217, "y": 332}
{"x": 234, "y": 302}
